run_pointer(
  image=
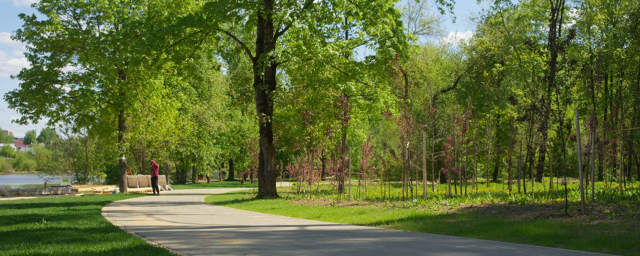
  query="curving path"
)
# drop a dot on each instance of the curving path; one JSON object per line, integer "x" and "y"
{"x": 182, "y": 222}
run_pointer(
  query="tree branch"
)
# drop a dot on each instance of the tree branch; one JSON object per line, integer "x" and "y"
{"x": 307, "y": 5}
{"x": 349, "y": 75}
{"x": 185, "y": 38}
{"x": 450, "y": 88}
{"x": 242, "y": 44}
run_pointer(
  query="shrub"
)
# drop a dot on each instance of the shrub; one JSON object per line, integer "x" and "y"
{"x": 24, "y": 162}
{"x": 5, "y": 165}
{"x": 7, "y": 151}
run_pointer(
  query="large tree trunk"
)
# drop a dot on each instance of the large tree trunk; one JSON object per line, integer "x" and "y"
{"x": 555, "y": 29}
{"x": 546, "y": 99}
{"x": 344, "y": 102}
{"x": 232, "y": 175}
{"x": 264, "y": 84}
{"x": 122, "y": 162}
{"x": 600, "y": 158}
{"x": 530, "y": 161}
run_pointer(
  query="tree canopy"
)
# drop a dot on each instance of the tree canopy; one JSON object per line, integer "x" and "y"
{"x": 291, "y": 87}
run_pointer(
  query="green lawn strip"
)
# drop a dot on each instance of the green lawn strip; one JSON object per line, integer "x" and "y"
{"x": 605, "y": 237}
{"x": 215, "y": 184}
{"x": 66, "y": 226}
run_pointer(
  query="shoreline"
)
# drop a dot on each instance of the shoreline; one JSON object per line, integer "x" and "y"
{"x": 10, "y": 173}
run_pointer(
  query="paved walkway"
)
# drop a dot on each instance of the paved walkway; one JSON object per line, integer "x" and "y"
{"x": 182, "y": 222}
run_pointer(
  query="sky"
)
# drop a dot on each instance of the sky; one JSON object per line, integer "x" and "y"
{"x": 12, "y": 58}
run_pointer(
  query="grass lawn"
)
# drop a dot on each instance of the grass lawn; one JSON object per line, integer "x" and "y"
{"x": 66, "y": 226}
{"x": 523, "y": 223}
{"x": 215, "y": 184}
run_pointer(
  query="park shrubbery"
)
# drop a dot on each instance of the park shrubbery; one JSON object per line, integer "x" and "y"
{"x": 5, "y": 165}
{"x": 20, "y": 162}
{"x": 7, "y": 151}
{"x": 25, "y": 162}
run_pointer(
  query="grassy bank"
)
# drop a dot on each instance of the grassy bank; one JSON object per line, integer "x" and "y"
{"x": 215, "y": 184}
{"x": 613, "y": 225}
{"x": 66, "y": 226}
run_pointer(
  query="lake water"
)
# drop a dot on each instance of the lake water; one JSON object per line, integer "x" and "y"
{"x": 17, "y": 180}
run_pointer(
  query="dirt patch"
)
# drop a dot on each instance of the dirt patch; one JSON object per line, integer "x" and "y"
{"x": 320, "y": 202}
{"x": 611, "y": 214}
{"x": 596, "y": 214}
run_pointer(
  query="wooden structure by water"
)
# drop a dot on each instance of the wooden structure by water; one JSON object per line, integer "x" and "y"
{"x": 38, "y": 191}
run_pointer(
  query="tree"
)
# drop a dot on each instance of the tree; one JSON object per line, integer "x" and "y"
{"x": 47, "y": 136}
{"x": 83, "y": 73}
{"x": 6, "y": 138}
{"x": 30, "y": 138}
{"x": 286, "y": 23}
{"x": 24, "y": 162}
{"x": 7, "y": 151}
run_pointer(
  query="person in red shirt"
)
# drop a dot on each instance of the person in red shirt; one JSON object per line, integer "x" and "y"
{"x": 154, "y": 177}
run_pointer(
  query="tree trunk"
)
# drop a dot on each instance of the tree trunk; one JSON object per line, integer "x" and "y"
{"x": 578, "y": 142}
{"x": 509, "y": 165}
{"x": 194, "y": 177}
{"x": 637, "y": 166}
{"x": 349, "y": 196}
{"x": 593, "y": 165}
{"x": 343, "y": 145}
{"x": 86, "y": 160}
{"x": 424, "y": 165}
{"x": 519, "y": 166}
{"x": 166, "y": 171}
{"x": 122, "y": 162}
{"x": 264, "y": 84}
{"x": 604, "y": 128}
{"x": 530, "y": 156}
{"x": 550, "y": 170}
{"x": 496, "y": 168}
{"x": 600, "y": 159}
{"x": 542, "y": 152}
{"x": 555, "y": 29}
{"x": 232, "y": 175}
{"x": 323, "y": 161}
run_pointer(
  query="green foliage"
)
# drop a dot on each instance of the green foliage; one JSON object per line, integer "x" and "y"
{"x": 5, "y": 165}
{"x": 48, "y": 136}
{"x": 30, "y": 138}
{"x": 45, "y": 160}
{"x": 5, "y": 138}
{"x": 87, "y": 78}
{"x": 185, "y": 82}
{"x": 7, "y": 151}
{"x": 25, "y": 162}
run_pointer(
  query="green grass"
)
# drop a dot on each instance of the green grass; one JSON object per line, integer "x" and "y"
{"x": 215, "y": 184}
{"x": 496, "y": 215}
{"x": 66, "y": 226}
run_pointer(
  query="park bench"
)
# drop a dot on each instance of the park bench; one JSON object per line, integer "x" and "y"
{"x": 142, "y": 183}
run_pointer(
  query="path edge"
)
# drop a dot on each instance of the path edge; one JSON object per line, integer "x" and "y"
{"x": 123, "y": 228}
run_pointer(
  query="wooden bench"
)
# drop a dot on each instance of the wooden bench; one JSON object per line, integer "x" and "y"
{"x": 142, "y": 183}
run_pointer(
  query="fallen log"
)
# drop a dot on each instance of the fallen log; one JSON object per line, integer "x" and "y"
{"x": 41, "y": 191}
